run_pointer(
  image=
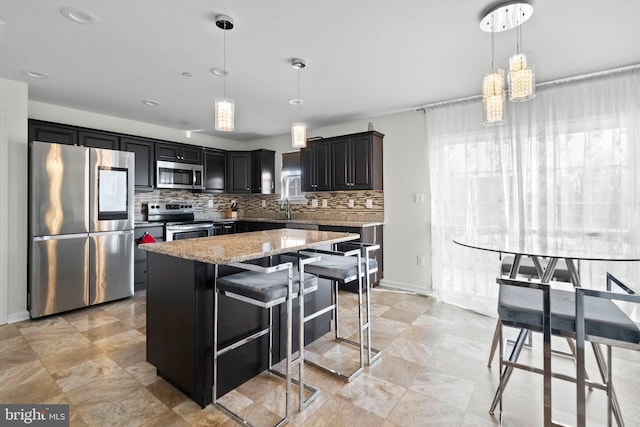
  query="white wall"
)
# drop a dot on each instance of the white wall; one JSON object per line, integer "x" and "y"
{"x": 13, "y": 203}
{"x": 70, "y": 116}
{"x": 407, "y": 227}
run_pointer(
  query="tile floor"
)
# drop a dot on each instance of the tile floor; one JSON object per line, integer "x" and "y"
{"x": 433, "y": 372}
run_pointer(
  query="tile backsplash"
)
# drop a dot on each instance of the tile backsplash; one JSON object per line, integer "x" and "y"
{"x": 250, "y": 205}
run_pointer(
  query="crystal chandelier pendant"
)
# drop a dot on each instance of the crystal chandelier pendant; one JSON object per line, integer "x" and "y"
{"x": 224, "y": 107}
{"x": 493, "y": 97}
{"x": 298, "y": 129}
{"x": 225, "y": 111}
{"x": 522, "y": 79}
{"x": 299, "y": 135}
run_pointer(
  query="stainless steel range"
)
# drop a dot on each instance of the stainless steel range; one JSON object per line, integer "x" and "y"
{"x": 179, "y": 218}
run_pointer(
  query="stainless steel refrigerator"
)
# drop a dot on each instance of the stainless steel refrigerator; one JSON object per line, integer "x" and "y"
{"x": 80, "y": 226}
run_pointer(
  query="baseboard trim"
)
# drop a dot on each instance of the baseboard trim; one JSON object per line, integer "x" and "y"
{"x": 18, "y": 317}
{"x": 406, "y": 287}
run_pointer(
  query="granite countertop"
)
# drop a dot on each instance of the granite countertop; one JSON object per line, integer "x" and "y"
{"x": 240, "y": 247}
{"x": 329, "y": 222}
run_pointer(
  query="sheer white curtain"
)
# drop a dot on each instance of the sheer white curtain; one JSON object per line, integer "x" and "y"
{"x": 567, "y": 161}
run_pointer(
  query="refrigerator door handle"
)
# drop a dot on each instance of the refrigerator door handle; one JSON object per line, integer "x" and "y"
{"x": 60, "y": 237}
{"x": 110, "y": 233}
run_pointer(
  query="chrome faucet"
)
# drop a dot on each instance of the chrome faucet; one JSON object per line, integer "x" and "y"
{"x": 287, "y": 209}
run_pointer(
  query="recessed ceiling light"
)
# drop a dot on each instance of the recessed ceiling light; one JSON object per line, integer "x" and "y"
{"x": 220, "y": 72}
{"x": 187, "y": 74}
{"x": 150, "y": 103}
{"x": 78, "y": 15}
{"x": 296, "y": 101}
{"x": 34, "y": 74}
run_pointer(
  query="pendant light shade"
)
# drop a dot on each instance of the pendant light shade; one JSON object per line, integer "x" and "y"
{"x": 493, "y": 97}
{"x": 522, "y": 79}
{"x": 225, "y": 111}
{"x": 299, "y": 135}
{"x": 224, "y": 107}
{"x": 299, "y": 129}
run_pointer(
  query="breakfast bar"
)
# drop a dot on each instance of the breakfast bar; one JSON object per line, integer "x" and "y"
{"x": 181, "y": 280}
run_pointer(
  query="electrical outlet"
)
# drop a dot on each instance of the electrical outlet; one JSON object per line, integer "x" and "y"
{"x": 369, "y": 204}
{"x": 210, "y": 203}
{"x": 350, "y": 203}
{"x": 314, "y": 203}
{"x": 418, "y": 197}
{"x": 264, "y": 203}
{"x": 324, "y": 203}
{"x": 422, "y": 261}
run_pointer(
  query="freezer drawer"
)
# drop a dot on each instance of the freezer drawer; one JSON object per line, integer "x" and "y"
{"x": 111, "y": 264}
{"x": 59, "y": 274}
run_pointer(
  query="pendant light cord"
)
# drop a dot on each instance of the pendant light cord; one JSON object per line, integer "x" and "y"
{"x": 299, "y": 100}
{"x": 518, "y": 31}
{"x": 493, "y": 49}
{"x": 224, "y": 63}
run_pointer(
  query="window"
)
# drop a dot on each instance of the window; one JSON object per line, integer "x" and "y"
{"x": 291, "y": 177}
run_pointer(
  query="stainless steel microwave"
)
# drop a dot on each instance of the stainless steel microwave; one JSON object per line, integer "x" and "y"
{"x": 178, "y": 175}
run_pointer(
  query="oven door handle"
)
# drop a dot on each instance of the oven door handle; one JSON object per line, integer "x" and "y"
{"x": 188, "y": 227}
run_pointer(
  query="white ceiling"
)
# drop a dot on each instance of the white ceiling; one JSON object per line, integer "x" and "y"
{"x": 365, "y": 58}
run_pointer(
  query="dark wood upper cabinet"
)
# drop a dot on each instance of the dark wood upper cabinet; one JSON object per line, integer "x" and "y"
{"x": 263, "y": 172}
{"x": 239, "y": 172}
{"x": 145, "y": 161}
{"x": 104, "y": 140}
{"x": 179, "y": 153}
{"x": 50, "y": 132}
{"x": 215, "y": 171}
{"x": 315, "y": 165}
{"x": 357, "y": 162}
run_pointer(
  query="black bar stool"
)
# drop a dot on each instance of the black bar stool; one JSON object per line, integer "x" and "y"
{"x": 345, "y": 267}
{"x": 265, "y": 287}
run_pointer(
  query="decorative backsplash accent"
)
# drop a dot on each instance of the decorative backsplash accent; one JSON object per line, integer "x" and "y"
{"x": 250, "y": 205}
{"x": 337, "y": 206}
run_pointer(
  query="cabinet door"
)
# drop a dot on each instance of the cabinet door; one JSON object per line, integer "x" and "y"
{"x": 190, "y": 154}
{"x": 168, "y": 152}
{"x": 360, "y": 163}
{"x": 99, "y": 140}
{"x": 239, "y": 163}
{"x": 263, "y": 172}
{"x": 145, "y": 170}
{"x": 50, "y": 132}
{"x": 307, "y": 169}
{"x": 340, "y": 164}
{"x": 215, "y": 171}
{"x": 322, "y": 160}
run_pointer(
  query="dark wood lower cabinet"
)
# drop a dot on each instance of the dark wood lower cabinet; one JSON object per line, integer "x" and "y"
{"x": 180, "y": 327}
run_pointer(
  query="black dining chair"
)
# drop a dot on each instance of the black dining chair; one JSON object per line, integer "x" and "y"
{"x": 623, "y": 334}
{"x": 535, "y": 306}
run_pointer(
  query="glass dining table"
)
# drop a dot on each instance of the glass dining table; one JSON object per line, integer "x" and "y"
{"x": 545, "y": 251}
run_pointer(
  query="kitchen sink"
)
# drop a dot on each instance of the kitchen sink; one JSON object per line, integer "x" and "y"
{"x": 301, "y": 226}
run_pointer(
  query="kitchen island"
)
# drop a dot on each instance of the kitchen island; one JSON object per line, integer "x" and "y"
{"x": 181, "y": 280}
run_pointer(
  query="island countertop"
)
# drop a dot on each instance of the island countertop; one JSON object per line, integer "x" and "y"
{"x": 240, "y": 247}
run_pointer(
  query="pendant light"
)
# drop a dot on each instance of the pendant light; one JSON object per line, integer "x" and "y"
{"x": 493, "y": 91}
{"x": 298, "y": 129}
{"x": 224, "y": 107}
{"x": 502, "y": 17}
{"x": 522, "y": 79}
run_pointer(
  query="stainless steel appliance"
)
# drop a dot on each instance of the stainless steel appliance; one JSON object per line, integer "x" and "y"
{"x": 181, "y": 223}
{"x": 80, "y": 227}
{"x": 179, "y": 175}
